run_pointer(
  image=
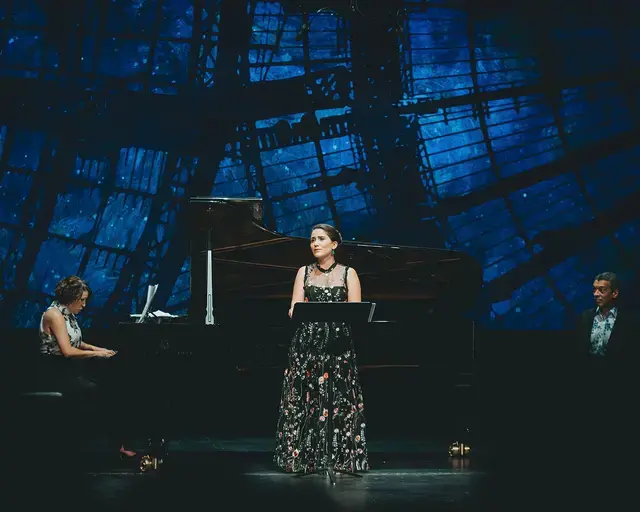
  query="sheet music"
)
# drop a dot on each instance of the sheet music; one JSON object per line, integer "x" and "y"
{"x": 334, "y": 311}
{"x": 158, "y": 313}
{"x": 373, "y": 309}
{"x": 151, "y": 292}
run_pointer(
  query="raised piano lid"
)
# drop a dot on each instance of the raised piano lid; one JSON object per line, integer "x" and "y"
{"x": 252, "y": 262}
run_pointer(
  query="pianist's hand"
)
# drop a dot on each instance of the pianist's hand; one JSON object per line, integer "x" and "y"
{"x": 105, "y": 353}
{"x": 100, "y": 349}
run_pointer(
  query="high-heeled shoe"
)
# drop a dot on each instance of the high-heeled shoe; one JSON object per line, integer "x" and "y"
{"x": 125, "y": 456}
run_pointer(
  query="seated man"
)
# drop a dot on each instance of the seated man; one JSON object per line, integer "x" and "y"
{"x": 607, "y": 333}
{"x": 606, "y": 337}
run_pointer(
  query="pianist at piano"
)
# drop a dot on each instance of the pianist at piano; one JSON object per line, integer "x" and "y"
{"x": 302, "y": 429}
{"x": 64, "y": 354}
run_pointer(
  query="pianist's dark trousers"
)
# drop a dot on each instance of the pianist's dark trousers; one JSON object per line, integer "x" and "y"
{"x": 98, "y": 392}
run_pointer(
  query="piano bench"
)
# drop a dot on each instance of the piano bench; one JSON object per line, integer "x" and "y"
{"x": 42, "y": 430}
{"x": 42, "y": 394}
{"x": 37, "y": 408}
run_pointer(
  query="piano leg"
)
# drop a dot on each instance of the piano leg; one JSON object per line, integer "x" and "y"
{"x": 156, "y": 421}
{"x": 156, "y": 453}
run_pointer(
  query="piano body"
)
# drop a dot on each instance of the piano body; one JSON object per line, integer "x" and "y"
{"x": 239, "y": 323}
{"x": 254, "y": 269}
{"x": 252, "y": 264}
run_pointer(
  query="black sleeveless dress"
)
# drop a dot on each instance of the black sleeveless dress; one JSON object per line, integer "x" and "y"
{"x": 302, "y": 429}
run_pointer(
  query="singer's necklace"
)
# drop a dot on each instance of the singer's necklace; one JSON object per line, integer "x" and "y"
{"x": 327, "y": 270}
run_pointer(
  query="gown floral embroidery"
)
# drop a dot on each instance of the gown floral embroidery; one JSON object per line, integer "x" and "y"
{"x": 303, "y": 424}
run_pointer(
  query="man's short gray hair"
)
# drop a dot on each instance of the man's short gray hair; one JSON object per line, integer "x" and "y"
{"x": 611, "y": 277}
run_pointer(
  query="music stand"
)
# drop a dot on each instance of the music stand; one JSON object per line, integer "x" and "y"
{"x": 347, "y": 312}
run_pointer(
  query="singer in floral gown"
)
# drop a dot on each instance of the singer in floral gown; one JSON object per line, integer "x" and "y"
{"x": 302, "y": 436}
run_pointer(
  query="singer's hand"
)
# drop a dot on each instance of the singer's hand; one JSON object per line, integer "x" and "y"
{"x": 290, "y": 312}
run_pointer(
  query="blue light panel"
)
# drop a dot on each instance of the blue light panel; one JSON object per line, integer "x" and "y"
{"x": 102, "y": 212}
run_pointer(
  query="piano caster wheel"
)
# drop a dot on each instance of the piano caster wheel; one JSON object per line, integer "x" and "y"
{"x": 149, "y": 463}
{"x": 459, "y": 449}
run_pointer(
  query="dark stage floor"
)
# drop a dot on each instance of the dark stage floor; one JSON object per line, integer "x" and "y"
{"x": 238, "y": 474}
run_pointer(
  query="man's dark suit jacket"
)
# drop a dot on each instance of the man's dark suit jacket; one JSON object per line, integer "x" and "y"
{"x": 624, "y": 343}
{"x": 606, "y": 387}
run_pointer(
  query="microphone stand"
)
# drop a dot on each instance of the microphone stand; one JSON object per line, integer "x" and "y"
{"x": 348, "y": 311}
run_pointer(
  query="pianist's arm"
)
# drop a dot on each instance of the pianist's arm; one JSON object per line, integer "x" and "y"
{"x": 353, "y": 285}
{"x": 298, "y": 290}
{"x": 93, "y": 348}
{"x": 54, "y": 321}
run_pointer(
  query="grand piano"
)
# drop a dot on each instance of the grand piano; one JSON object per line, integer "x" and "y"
{"x": 253, "y": 269}
{"x": 241, "y": 283}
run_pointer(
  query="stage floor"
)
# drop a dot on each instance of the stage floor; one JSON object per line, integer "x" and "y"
{"x": 238, "y": 474}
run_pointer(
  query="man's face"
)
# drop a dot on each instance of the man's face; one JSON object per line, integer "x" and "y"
{"x": 603, "y": 294}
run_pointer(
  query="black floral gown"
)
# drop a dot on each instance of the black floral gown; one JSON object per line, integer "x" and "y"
{"x": 304, "y": 410}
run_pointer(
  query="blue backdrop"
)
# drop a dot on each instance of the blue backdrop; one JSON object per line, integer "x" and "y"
{"x": 508, "y": 134}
